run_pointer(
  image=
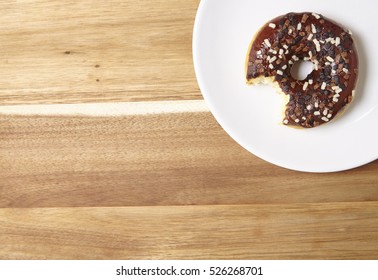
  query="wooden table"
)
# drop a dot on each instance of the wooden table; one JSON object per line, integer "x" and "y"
{"x": 129, "y": 163}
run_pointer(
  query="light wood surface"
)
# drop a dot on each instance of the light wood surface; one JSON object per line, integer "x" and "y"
{"x": 298, "y": 231}
{"x": 153, "y": 179}
{"x": 159, "y": 159}
{"x": 84, "y": 51}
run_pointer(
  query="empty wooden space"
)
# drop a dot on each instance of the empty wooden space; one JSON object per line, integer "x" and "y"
{"x": 85, "y": 51}
{"x": 335, "y": 230}
{"x": 153, "y": 177}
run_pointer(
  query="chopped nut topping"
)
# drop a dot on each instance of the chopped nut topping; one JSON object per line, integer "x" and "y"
{"x": 325, "y": 119}
{"x": 304, "y": 18}
{"x": 313, "y": 29}
{"x": 272, "y": 59}
{"x": 337, "y": 41}
{"x": 308, "y": 37}
{"x": 330, "y": 59}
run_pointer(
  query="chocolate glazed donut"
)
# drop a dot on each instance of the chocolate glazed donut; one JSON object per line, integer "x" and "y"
{"x": 306, "y": 36}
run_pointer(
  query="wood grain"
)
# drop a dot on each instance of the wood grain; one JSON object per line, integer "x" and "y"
{"x": 159, "y": 159}
{"x": 298, "y": 231}
{"x": 146, "y": 184}
{"x": 96, "y": 51}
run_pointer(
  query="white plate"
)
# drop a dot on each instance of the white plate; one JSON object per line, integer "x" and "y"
{"x": 252, "y": 114}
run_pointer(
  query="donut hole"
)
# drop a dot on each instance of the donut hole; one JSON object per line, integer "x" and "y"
{"x": 301, "y": 69}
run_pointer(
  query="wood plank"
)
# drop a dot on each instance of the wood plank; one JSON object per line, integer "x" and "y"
{"x": 298, "y": 231}
{"x": 153, "y": 159}
{"x": 96, "y": 51}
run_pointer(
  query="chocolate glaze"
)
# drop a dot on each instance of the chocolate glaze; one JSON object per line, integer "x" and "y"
{"x": 306, "y": 36}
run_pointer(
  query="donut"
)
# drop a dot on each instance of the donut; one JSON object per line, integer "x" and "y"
{"x": 293, "y": 37}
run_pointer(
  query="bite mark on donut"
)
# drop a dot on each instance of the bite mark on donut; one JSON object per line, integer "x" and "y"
{"x": 290, "y": 38}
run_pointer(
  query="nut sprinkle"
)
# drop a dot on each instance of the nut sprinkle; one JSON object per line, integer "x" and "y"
{"x": 294, "y": 37}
